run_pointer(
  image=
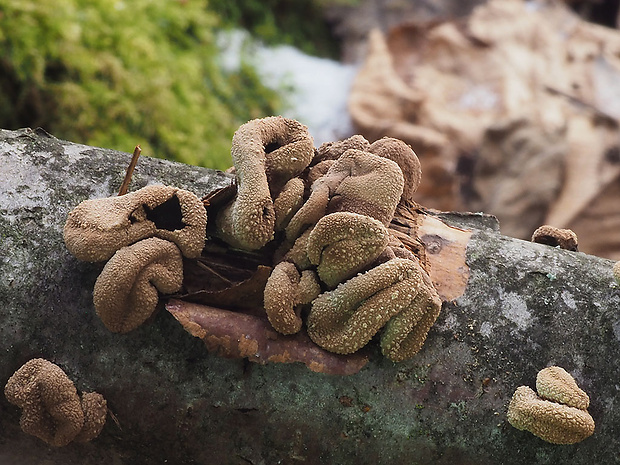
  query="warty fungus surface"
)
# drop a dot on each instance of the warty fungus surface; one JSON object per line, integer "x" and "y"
{"x": 266, "y": 153}
{"x": 95, "y": 410}
{"x": 342, "y": 244}
{"x": 404, "y": 334}
{"x": 556, "y": 237}
{"x": 97, "y": 228}
{"x": 288, "y": 201}
{"x": 556, "y": 384}
{"x": 126, "y": 291}
{"x": 333, "y": 150}
{"x": 557, "y": 414}
{"x": 345, "y": 319}
{"x": 285, "y": 292}
{"x": 357, "y": 182}
{"x": 51, "y": 407}
{"x": 400, "y": 152}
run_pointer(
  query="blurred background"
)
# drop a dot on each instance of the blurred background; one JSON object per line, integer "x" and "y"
{"x": 511, "y": 105}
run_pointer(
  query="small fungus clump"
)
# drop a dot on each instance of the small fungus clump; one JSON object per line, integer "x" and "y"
{"x": 557, "y": 413}
{"x": 555, "y": 237}
{"x": 267, "y": 153}
{"x": 345, "y": 319}
{"x": 51, "y": 407}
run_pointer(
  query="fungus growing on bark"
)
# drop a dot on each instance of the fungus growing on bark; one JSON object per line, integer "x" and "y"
{"x": 266, "y": 153}
{"x": 557, "y": 414}
{"x": 555, "y": 237}
{"x": 404, "y": 334}
{"x": 97, "y": 228}
{"x": 285, "y": 292}
{"x": 358, "y": 182}
{"x": 616, "y": 271}
{"x": 345, "y": 319}
{"x": 400, "y": 152}
{"x": 342, "y": 244}
{"x": 126, "y": 291}
{"x": 51, "y": 407}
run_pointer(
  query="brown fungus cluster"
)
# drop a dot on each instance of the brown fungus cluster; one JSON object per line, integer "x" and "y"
{"x": 335, "y": 213}
{"x": 320, "y": 218}
{"x": 127, "y": 290}
{"x": 52, "y": 410}
{"x": 557, "y": 412}
{"x": 143, "y": 236}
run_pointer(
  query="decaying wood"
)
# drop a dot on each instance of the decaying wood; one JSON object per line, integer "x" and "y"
{"x": 512, "y": 307}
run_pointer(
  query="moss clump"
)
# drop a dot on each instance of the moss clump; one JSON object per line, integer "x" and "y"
{"x": 117, "y": 73}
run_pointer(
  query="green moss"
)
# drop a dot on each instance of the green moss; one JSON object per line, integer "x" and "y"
{"x": 116, "y": 74}
{"x": 300, "y": 23}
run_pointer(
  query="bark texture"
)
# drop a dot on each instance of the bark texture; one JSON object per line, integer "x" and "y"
{"x": 525, "y": 306}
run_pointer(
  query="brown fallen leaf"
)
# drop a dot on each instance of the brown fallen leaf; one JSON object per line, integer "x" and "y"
{"x": 242, "y": 335}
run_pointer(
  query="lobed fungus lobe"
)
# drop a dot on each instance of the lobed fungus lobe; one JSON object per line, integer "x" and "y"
{"x": 285, "y": 292}
{"x": 556, "y": 384}
{"x": 556, "y": 237}
{"x": 557, "y": 414}
{"x": 357, "y": 182}
{"x": 97, "y": 228}
{"x": 126, "y": 291}
{"x": 345, "y": 319}
{"x": 342, "y": 244}
{"x": 51, "y": 407}
{"x": 401, "y": 153}
{"x": 266, "y": 153}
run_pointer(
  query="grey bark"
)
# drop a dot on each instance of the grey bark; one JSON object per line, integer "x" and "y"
{"x": 526, "y": 306}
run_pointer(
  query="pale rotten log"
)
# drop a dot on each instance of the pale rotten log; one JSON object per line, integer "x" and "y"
{"x": 513, "y": 308}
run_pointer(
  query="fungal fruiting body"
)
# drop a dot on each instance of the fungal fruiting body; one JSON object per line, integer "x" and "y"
{"x": 326, "y": 215}
{"x": 357, "y": 182}
{"x": 556, "y": 237}
{"x": 51, "y": 407}
{"x": 126, "y": 291}
{"x": 401, "y": 153}
{"x": 342, "y": 244}
{"x": 266, "y": 153}
{"x": 342, "y": 230}
{"x": 557, "y": 413}
{"x": 97, "y": 228}
{"x": 345, "y": 319}
{"x": 286, "y": 291}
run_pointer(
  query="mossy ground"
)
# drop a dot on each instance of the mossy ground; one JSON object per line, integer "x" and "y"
{"x": 116, "y": 74}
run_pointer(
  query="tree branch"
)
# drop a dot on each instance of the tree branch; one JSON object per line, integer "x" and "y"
{"x": 513, "y": 307}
